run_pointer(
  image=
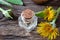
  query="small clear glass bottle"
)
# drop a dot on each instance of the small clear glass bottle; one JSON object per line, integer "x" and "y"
{"x": 28, "y": 26}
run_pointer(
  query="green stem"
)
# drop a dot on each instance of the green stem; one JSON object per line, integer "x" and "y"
{"x": 58, "y": 11}
{"x": 2, "y": 10}
{"x": 5, "y": 3}
{"x": 53, "y": 22}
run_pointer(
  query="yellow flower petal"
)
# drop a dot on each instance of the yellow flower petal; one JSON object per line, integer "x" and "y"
{"x": 45, "y": 29}
{"x": 49, "y": 13}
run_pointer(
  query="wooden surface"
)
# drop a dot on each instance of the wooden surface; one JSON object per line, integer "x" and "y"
{"x": 10, "y": 30}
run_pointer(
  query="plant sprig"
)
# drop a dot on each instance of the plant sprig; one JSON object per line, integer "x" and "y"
{"x": 5, "y": 3}
{"x": 6, "y": 13}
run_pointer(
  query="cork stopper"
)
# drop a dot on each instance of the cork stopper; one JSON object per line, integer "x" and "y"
{"x": 27, "y": 13}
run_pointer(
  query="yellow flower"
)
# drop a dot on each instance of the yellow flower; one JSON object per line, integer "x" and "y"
{"x": 45, "y": 29}
{"x": 49, "y": 13}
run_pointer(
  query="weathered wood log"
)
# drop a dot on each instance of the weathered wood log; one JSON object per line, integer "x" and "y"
{"x": 10, "y": 30}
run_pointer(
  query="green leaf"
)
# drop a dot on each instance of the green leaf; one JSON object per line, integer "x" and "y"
{"x": 5, "y": 3}
{"x": 18, "y": 2}
{"x": 40, "y": 14}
